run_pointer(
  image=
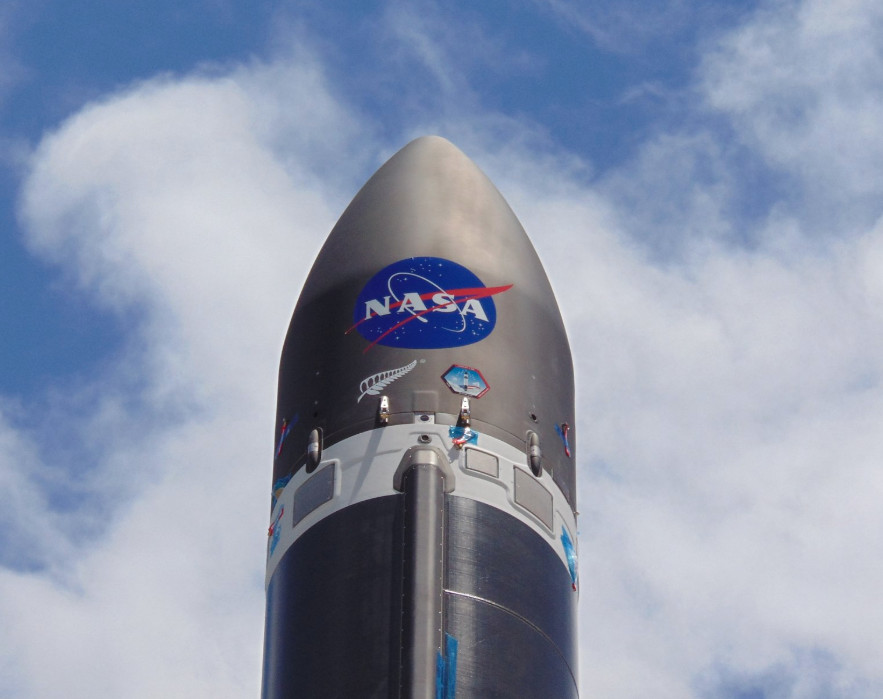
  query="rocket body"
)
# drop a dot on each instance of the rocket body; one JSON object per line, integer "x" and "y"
{"x": 423, "y": 533}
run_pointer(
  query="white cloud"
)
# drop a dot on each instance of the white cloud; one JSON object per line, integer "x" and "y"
{"x": 802, "y": 84}
{"x": 728, "y": 412}
{"x": 730, "y": 380}
{"x": 176, "y": 205}
{"x": 729, "y": 394}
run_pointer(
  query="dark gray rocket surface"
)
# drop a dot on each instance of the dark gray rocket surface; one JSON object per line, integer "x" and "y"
{"x": 423, "y": 529}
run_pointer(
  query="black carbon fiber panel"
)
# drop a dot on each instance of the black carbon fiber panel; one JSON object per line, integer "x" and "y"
{"x": 507, "y": 594}
{"x": 500, "y": 657}
{"x": 333, "y": 617}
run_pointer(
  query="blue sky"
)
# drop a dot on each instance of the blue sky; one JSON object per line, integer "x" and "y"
{"x": 703, "y": 186}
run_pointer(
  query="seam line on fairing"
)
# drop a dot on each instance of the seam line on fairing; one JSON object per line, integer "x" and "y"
{"x": 476, "y": 598}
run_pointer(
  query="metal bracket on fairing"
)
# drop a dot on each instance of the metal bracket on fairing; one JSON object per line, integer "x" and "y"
{"x": 383, "y": 410}
{"x": 465, "y": 416}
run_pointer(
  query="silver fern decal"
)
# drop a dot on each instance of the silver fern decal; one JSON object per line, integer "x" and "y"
{"x": 374, "y": 385}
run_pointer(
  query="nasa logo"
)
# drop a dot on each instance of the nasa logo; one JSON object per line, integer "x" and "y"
{"x": 425, "y": 303}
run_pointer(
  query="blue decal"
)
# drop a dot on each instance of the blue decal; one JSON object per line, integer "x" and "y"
{"x": 462, "y": 436}
{"x": 278, "y": 487}
{"x": 451, "y": 674}
{"x": 570, "y": 552}
{"x": 446, "y": 670}
{"x": 439, "y": 676}
{"x": 425, "y": 303}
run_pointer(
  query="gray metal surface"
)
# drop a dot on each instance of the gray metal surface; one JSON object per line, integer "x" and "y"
{"x": 533, "y": 497}
{"x": 372, "y": 464}
{"x": 423, "y": 575}
{"x": 482, "y": 462}
{"x": 316, "y": 491}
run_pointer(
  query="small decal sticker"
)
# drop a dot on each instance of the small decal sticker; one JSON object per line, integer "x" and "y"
{"x": 374, "y": 385}
{"x": 461, "y": 436}
{"x": 283, "y": 433}
{"x": 446, "y": 670}
{"x": 466, "y": 381}
{"x": 278, "y": 487}
{"x": 570, "y": 552}
{"x": 273, "y": 531}
{"x": 451, "y": 306}
{"x": 562, "y": 431}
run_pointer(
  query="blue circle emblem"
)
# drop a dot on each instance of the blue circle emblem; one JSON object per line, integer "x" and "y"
{"x": 425, "y": 303}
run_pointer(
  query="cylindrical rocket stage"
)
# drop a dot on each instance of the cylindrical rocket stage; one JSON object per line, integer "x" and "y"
{"x": 423, "y": 530}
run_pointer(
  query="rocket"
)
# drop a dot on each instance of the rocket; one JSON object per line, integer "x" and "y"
{"x": 422, "y": 539}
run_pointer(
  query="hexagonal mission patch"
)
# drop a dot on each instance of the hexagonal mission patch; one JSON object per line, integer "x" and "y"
{"x": 466, "y": 381}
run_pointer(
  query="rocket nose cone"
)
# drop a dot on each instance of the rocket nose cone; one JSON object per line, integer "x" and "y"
{"x": 428, "y": 258}
{"x": 431, "y": 200}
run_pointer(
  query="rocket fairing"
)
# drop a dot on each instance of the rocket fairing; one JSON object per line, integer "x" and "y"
{"x": 423, "y": 530}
